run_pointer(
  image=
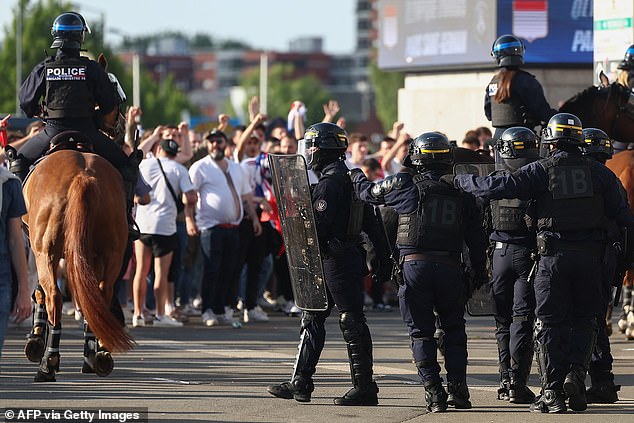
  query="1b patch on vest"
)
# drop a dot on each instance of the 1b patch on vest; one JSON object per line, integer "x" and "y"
{"x": 66, "y": 73}
{"x": 567, "y": 182}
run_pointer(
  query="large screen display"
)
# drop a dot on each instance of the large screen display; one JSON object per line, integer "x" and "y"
{"x": 555, "y": 31}
{"x": 435, "y": 33}
{"x": 451, "y": 34}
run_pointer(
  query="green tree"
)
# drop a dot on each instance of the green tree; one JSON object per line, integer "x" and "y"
{"x": 283, "y": 89}
{"x": 386, "y": 86}
{"x": 162, "y": 103}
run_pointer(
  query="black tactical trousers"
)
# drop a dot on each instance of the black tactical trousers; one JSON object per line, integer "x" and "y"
{"x": 438, "y": 286}
{"x": 568, "y": 299}
{"x": 513, "y": 303}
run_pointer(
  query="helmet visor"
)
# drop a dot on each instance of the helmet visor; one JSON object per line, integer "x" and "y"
{"x": 307, "y": 149}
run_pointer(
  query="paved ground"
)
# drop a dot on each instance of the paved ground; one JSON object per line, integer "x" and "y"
{"x": 197, "y": 373}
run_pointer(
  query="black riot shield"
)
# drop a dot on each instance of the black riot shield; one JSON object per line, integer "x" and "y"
{"x": 292, "y": 192}
{"x": 481, "y": 302}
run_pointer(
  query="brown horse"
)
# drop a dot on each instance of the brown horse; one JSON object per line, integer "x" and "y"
{"x": 622, "y": 164}
{"x": 606, "y": 107}
{"x": 76, "y": 211}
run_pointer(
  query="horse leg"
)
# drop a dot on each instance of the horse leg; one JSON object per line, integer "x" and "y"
{"x": 50, "y": 361}
{"x": 35, "y": 343}
{"x": 96, "y": 358}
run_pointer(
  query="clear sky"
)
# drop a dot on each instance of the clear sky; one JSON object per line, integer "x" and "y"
{"x": 266, "y": 24}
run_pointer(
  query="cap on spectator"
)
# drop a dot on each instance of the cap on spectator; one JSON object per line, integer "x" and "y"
{"x": 170, "y": 147}
{"x": 215, "y": 134}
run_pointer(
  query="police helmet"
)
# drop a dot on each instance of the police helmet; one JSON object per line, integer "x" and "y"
{"x": 563, "y": 129}
{"x": 628, "y": 60}
{"x": 68, "y": 31}
{"x": 517, "y": 142}
{"x": 430, "y": 148}
{"x": 323, "y": 144}
{"x": 597, "y": 144}
{"x": 508, "y": 50}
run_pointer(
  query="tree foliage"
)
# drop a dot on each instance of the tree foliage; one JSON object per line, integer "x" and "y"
{"x": 283, "y": 89}
{"x": 386, "y": 86}
{"x": 161, "y": 103}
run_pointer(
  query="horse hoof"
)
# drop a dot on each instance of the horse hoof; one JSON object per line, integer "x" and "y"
{"x": 44, "y": 377}
{"x": 34, "y": 349}
{"x": 103, "y": 363}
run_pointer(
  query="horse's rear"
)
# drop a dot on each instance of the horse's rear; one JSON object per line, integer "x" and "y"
{"x": 76, "y": 210}
{"x": 622, "y": 164}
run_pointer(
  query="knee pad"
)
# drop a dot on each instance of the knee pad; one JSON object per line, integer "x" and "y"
{"x": 352, "y": 325}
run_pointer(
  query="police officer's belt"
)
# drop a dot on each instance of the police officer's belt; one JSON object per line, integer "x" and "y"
{"x": 444, "y": 257}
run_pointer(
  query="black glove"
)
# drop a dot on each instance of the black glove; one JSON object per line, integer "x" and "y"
{"x": 480, "y": 278}
{"x": 356, "y": 175}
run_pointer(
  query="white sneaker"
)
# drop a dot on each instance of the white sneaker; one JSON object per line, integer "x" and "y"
{"x": 197, "y": 302}
{"x": 266, "y": 303}
{"x": 256, "y": 314}
{"x": 138, "y": 321}
{"x": 291, "y": 309}
{"x": 68, "y": 308}
{"x": 165, "y": 322}
{"x": 190, "y": 311}
{"x": 209, "y": 318}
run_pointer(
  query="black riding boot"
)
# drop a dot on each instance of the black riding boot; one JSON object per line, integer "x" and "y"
{"x": 130, "y": 175}
{"x": 575, "y": 388}
{"x": 311, "y": 343}
{"x": 519, "y": 393}
{"x": 458, "y": 394}
{"x": 436, "y": 397}
{"x": 602, "y": 389}
{"x": 359, "y": 344}
{"x": 550, "y": 401}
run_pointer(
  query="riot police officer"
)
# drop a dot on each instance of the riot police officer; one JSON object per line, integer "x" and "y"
{"x": 514, "y": 97}
{"x": 71, "y": 86}
{"x": 339, "y": 218}
{"x": 513, "y": 296}
{"x": 572, "y": 196}
{"x": 434, "y": 219}
{"x": 598, "y": 146}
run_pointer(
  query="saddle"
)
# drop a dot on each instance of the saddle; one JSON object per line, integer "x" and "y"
{"x": 70, "y": 140}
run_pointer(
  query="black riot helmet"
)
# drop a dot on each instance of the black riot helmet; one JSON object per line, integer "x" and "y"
{"x": 517, "y": 147}
{"x": 508, "y": 50}
{"x": 323, "y": 143}
{"x": 430, "y": 150}
{"x": 68, "y": 31}
{"x": 597, "y": 144}
{"x": 563, "y": 130}
{"x": 628, "y": 60}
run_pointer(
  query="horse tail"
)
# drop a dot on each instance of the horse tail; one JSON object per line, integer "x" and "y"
{"x": 80, "y": 222}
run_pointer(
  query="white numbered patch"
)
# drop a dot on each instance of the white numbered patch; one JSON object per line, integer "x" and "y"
{"x": 321, "y": 205}
{"x": 492, "y": 89}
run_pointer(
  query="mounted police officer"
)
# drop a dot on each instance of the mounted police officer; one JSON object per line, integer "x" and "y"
{"x": 71, "y": 86}
{"x": 598, "y": 146}
{"x": 572, "y": 197}
{"x": 513, "y": 297}
{"x": 626, "y": 69}
{"x": 339, "y": 219}
{"x": 514, "y": 97}
{"x": 434, "y": 220}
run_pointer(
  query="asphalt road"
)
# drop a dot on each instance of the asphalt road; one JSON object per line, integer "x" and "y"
{"x": 196, "y": 373}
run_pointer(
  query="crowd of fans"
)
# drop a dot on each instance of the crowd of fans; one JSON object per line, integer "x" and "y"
{"x": 220, "y": 254}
